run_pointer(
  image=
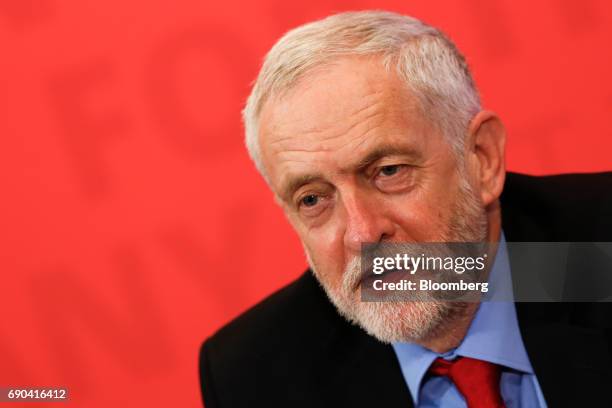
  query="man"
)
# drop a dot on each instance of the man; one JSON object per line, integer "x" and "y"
{"x": 368, "y": 128}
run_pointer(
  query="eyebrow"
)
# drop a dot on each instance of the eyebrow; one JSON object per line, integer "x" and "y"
{"x": 385, "y": 151}
{"x": 294, "y": 183}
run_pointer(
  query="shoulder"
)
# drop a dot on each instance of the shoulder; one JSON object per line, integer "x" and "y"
{"x": 573, "y": 188}
{"x": 290, "y": 312}
{"x": 565, "y": 207}
{"x": 274, "y": 339}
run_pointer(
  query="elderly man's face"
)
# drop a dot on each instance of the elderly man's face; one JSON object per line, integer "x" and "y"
{"x": 352, "y": 160}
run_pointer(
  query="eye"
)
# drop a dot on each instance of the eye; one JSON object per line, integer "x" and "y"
{"x": 389, "y": 170}
{"x": 310, "y": 200}
{"x": 312, "y": 205}
{"x": 394, "y": 178}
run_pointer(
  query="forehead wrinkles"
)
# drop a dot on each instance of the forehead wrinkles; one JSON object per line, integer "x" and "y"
{"x": 334, "y": 122}
{"x": 352, "y": 128}
{"x": 324, "y": 119}
{"x": 330, "y": 92}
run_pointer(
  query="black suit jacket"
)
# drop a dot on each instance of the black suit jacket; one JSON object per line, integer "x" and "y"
{"x": 294, "y": 350}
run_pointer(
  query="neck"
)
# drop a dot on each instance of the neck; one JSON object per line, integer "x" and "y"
{"x": 454, "y": 329}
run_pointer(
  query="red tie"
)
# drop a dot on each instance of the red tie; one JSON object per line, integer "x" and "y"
{"x": 476, "y": 380}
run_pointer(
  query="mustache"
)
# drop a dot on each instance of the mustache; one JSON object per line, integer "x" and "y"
{"x": 353, "y": 275}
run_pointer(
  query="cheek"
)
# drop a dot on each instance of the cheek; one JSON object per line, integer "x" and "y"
{"x": 426, "y": 215}
{"x": 421, "y": 219}
{"x": 326, "y": 250}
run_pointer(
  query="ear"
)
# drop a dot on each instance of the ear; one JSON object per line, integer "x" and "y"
{"x": 486, "y": 155}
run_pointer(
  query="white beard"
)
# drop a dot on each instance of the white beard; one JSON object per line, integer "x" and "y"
{"x": 403, "y": 321}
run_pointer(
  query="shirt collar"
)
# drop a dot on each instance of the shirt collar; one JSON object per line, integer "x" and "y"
{"x": 493, "y": 335}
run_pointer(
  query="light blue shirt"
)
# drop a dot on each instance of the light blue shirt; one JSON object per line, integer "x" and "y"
{"x": 493, "y": 336}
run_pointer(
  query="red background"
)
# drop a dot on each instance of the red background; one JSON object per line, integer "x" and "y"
{"x": 133, "y": 224}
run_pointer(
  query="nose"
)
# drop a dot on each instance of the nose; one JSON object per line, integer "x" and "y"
{"x": 366, "y": 221}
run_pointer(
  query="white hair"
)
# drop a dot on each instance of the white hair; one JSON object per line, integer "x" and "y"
{"x": 431, "y": 66}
